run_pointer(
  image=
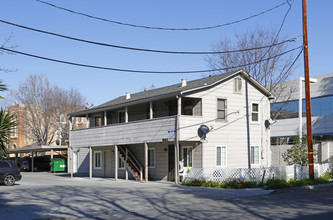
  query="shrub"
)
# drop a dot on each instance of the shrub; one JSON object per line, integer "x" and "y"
{"x": 276, "y": 184}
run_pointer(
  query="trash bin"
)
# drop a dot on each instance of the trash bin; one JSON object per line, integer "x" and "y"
{"x": 58, "y": 165}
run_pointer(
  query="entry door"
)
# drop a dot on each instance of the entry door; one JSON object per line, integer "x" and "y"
{"x": 171, "y": 161}
{"x": 107, "y": 163}
{"x": 75, "y": 161}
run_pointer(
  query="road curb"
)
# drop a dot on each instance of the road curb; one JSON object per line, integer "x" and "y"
{"x": 311, "y": 187}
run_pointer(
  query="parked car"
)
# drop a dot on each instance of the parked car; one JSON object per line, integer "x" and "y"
{"x": 9, "y": 172}
{"x": 40, "y": 164}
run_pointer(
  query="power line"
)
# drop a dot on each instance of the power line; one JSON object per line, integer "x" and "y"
{"x": 279, "y": 31}
{"x": 142, "y": 49}
{"x": 164, "y": 28}
{"x": 141, "y": 71}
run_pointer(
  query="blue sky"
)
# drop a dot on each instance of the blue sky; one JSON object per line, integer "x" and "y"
{"x": 99, "y": 86}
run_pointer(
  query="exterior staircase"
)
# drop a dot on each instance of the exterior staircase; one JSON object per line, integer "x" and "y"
{"x": 132, "y": 163}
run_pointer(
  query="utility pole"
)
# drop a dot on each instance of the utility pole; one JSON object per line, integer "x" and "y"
{"x": 307, "y": 92}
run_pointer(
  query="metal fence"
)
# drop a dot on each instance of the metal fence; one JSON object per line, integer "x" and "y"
{"x": 296, "y": 172}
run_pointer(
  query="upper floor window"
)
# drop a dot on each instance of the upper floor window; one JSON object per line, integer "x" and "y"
{"x": 13, "y": 133}
{"x": 255, "y": 112}
{"x": 221, "y": 108}
{"x": 237, "y": 85}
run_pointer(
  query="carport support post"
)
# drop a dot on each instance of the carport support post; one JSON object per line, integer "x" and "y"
{"x": 90, "y": 162}
{"x": 146, "y": 162}
{"x": 126, "y": 172}
{"x": 32, "y": 161}
{"x": 115, "y": 162}
{"x": 72, "y": 161}
{"x": 16, "y": 155}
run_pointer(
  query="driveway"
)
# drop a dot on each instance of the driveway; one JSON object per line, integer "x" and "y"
{"x": 47, "y": 196}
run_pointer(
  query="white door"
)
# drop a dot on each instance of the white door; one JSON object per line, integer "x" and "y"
{"x": 75, "y": 161}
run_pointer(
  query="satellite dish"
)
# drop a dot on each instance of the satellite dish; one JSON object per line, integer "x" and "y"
{"x": 202, "y": 131}
{"x": 268, "y": 123}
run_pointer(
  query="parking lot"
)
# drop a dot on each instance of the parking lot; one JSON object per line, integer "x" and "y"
{"x": 55, "y": 196}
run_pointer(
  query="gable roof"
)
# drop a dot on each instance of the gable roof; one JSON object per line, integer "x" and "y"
{"x": 170, "y": 91}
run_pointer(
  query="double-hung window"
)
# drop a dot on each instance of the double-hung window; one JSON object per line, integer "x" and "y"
{"x": 187, "y": 156}
{"x": 221, "y": 108}
{"x": 221, "y": 156}
{"x": 151, "y": 157}
{"x": 97, "y": 160}
{"x": 254, "y": 154}
{"x": 255, "y": 112}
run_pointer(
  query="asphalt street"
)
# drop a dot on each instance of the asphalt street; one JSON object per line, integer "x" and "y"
{"x": 50, "y": 196}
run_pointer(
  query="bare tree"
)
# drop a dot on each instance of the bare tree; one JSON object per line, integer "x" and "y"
{"x": 268, "y": 72}
{"x": 5, "y": 44}
{"x": 45, "y": 104}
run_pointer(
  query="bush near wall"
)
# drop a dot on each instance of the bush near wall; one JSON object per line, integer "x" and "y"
{"x": 268, "y": 184}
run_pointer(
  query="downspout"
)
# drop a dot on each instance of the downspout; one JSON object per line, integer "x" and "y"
{"x": 179, "y": 102}
{"x": 248, "y": 124}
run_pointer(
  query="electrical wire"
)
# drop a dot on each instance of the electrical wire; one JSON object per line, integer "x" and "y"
{"x": 279, "y": 31}
{"x": 164, "y": 28}
{"x": 141, "y": 71}
{"x": 142, "y": 49}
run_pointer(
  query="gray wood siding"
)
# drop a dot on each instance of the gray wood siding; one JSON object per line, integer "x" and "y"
{"x": 231, "y": 132}
{"x": 127, "y": 133}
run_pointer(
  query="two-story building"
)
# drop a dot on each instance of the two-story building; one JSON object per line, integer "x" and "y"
{"x": 158, "y": 134}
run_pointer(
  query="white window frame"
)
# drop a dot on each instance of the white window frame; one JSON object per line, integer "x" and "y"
{"x": 101, "y": 160}
{"x": 150, "y": 165}
{"x": 238, "y": 80}
{"x": 255, "y": 102}
{"x": 226, "y": 153}
{"x": 259, "y": 152}
{"x": 121, "y": 163}
{"x": 189, "y": 147}
{"x": 225, "y": 108}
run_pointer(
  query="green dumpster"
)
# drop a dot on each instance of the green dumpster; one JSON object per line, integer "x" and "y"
{"x": 58, "y": 165}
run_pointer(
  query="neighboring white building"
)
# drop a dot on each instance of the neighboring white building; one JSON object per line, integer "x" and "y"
{"x": 287, "y": 125}
{"x": 147, "y": 135}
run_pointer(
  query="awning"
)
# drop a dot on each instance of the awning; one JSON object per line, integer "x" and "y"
{"x": 42, "y": 148}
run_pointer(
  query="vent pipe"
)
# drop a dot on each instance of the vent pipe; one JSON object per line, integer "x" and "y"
{"x": 128, "y": 95}
{"x": 184, "y": 82}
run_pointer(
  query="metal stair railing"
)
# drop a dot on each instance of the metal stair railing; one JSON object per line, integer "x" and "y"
{"x": 133, "y": 161}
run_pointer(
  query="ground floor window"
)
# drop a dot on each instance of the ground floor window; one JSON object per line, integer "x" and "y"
{"x": 221, "y": 156}
{"x": 187, "y": 156}
{"x": 97, "y": 160}
{"x": 121, "y": 164}
{"x": 151, "y": 157}
{"x": 254, "y": 155}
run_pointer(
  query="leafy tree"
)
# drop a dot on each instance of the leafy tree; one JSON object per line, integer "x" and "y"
{"x": 298, "y": 153}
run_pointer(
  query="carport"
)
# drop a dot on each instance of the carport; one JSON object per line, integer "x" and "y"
{"x": 33, "y": 151}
